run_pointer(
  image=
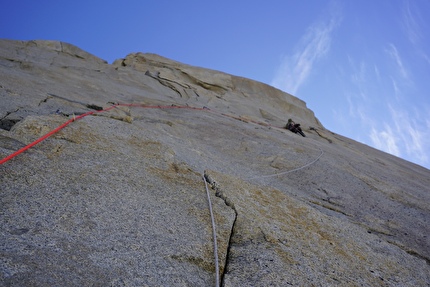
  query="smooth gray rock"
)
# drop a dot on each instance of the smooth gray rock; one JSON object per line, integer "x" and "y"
{"x": 118, "y": 198}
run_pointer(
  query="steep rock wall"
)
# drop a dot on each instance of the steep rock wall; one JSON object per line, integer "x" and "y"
{"x": 118, "y": 198}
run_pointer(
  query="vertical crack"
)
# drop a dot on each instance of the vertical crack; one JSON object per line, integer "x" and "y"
{"x": 220, "y": 193}
{"x": 227, "y": 255}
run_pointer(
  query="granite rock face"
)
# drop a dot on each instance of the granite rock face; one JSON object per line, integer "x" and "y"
{"x": 118, "y": 198}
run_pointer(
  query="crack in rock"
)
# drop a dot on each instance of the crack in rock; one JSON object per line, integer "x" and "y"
{"x": 220, "y": 193}
{"x": 7, "y": 124}
{"x": 166, "y": 82}
{"x": 64, "y": 99}
{"x": 410, "y": 251}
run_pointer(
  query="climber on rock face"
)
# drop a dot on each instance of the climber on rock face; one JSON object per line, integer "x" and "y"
{"x": 295, "y": 128}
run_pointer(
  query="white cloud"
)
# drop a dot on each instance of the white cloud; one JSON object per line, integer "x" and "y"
{"x": 411, "y": 23}
{"x": 402, "y": 136}
{"x": 315, "y": 44}
{"x": 414, "y": 26}
{"x": 393, "y": 128}
{"x": 413, "y": 139}
{"x": 394, "y": 53}
{"x": 385, "y": 140}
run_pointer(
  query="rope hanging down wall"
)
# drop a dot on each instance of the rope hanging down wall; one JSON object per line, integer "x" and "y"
{"x": 214, "y": 234}
{"x": 291, "y": 170}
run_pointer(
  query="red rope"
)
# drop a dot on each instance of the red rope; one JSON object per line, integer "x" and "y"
{"x": 9, "y": 157}
{"x": 51, "y": 133}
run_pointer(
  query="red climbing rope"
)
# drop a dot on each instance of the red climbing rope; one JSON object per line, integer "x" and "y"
{"x": 51, "y": 133}
{"x": 112, "y": 107}
{"x": 9, "y": 157}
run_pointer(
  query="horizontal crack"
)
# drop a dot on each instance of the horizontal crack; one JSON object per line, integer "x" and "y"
{"x": 410, "y": 251}
{"x": 65, "y": 99}
{"x": 332, "y": 208}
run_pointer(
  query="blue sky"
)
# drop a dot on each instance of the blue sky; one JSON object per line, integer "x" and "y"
{"x": 362, "y": 66}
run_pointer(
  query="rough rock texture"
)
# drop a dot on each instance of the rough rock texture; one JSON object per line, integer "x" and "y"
{"x": 118, "y": 198}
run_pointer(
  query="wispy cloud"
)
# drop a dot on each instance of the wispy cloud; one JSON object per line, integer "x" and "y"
{"x": 315, "y": 44}
{"x": 414, "y": 26}
{"x": 385, "y": 140}
{"x": 399, "y": 127}
{"x": 401, "y": 136}
{"x": 382, "y": 94}
{"x": 411, "y": 23}
{"x": 413, "y": 139}
{"x": 394, "y": 54}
